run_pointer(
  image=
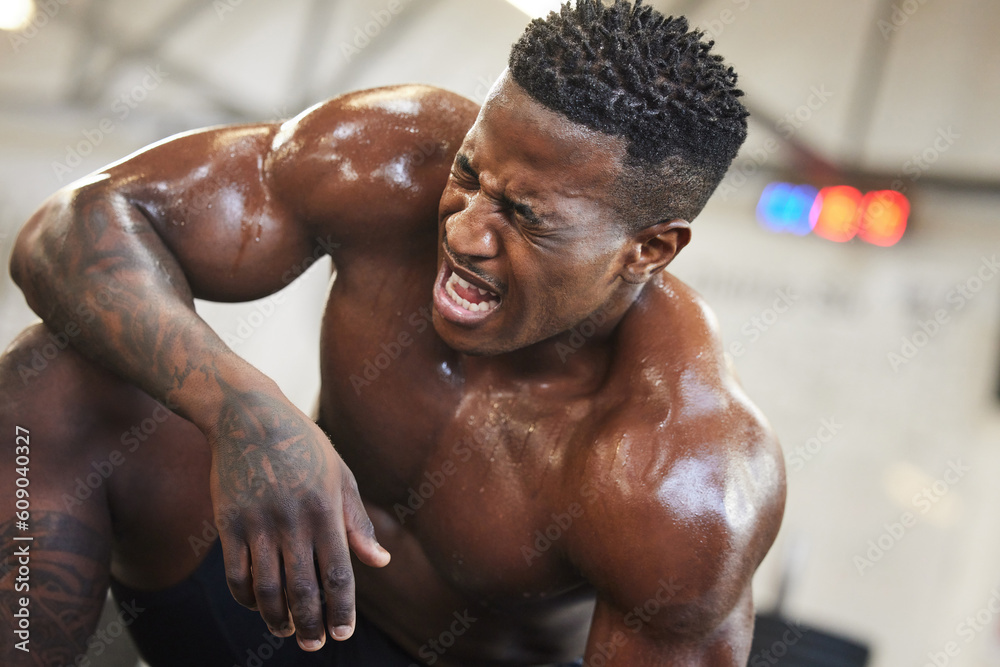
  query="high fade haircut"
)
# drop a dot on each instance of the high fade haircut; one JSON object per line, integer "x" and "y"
{"x": 628, "y": 71}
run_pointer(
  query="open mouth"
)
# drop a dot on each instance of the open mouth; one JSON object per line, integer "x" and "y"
{"x": 461, "y": 301}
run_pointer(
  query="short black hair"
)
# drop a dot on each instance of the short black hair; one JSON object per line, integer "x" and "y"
{"x": 626, "y": 70}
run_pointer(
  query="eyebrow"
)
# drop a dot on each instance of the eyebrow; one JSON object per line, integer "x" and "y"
{"x": 522, "y": 209}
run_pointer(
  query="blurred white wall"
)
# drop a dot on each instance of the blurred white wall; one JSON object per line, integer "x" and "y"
{"x": 865, "y": 435}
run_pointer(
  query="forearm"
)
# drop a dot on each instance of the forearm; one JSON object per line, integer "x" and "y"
{"x": 93, "y": 268}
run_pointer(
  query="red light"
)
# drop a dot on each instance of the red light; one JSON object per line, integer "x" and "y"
{"x": 835, "y": 213}
{"x": 883, "y": 217}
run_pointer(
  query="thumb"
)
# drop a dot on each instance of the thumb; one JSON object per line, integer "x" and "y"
{"x": 360, "y": 531}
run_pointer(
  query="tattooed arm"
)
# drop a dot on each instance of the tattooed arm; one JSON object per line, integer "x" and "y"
{"x": 114, "y": 262}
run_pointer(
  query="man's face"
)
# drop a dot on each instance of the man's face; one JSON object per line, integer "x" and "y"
{"x": 530, "y": 239}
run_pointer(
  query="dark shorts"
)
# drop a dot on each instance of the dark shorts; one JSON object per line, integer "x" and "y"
{"x": 198, "y": 623}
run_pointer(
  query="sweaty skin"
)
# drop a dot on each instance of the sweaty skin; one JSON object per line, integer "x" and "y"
{"x": 569, "y": 469}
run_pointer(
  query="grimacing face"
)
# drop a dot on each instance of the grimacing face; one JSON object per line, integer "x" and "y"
{"x": 530, "y": 240}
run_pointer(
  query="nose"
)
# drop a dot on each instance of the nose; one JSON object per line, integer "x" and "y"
{"x": 470, "y": 232}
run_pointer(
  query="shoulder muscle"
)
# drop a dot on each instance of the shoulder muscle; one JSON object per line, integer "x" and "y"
{"x": 370, "y": 162}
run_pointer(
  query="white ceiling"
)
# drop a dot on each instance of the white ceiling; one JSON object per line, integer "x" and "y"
{"x": 236, "y": 60}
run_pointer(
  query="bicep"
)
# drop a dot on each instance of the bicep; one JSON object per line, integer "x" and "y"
{"x": 642, "y": 636}
{"x": 206, "y": 196}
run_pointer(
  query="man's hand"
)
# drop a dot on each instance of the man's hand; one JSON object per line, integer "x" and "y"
{"x": 286, "y": 504}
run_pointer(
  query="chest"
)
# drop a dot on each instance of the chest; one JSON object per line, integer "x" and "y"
{"x": 486, "y": 477}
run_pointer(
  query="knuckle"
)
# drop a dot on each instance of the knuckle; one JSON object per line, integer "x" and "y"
{"x": 229, "y": 519}
{"x": 304, "y": 590}
{"x": 337, "y": 577}
{"x": 300, "y": 610}
{"x": 320, "y": 505}
{"x": 237, "y": 577}
{"x": 308, "y": 624}
{"x": 267, "y": 591}
{"x": 348, "y": 482}
{"x": 361, "y": 523}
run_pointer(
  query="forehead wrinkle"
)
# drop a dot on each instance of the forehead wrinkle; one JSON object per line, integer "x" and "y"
{"x": 536, "y": 156}
{"x": 537, "y": 177}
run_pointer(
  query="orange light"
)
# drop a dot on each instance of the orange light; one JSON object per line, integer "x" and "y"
{"x": 883, "y": 217}
{"x": 834, "y": 214}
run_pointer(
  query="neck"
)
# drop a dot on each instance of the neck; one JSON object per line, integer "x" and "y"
{"x": 579, "y": 356}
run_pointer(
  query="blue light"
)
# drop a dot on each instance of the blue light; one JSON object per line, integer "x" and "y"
{"x": 784, "y": 207}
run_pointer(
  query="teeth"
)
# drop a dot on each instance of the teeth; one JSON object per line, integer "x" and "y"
{"x": 465, "y": 303}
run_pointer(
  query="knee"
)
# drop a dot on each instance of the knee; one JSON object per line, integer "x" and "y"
{"x": 45, "y": 382}
{"x": 37, "y": 359}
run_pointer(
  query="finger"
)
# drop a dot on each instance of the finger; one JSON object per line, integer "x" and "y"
{"x": 302, "y": 592}
{"x": 360, "y": 531}
{"x": 236, "y": 557}
{"x": 337, "y": 580}
{"x": 268, "y": 590}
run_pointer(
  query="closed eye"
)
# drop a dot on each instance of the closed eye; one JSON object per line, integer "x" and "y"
{"x": 467, "y": 177}
{"x": 522, "y": 210}
{"x": 463, "y": 172}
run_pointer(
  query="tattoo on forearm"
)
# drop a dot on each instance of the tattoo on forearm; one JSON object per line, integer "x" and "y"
{"x": 120, "y": 287}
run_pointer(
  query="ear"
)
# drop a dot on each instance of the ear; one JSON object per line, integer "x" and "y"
{"x": 652, "y": 248}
